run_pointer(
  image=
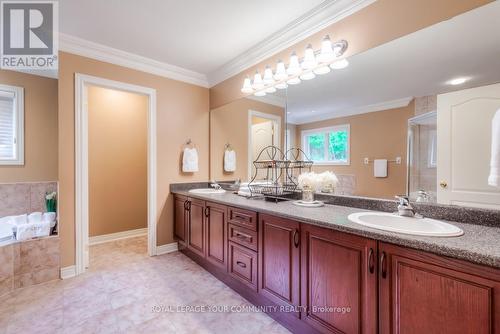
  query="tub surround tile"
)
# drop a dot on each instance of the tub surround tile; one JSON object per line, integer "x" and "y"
{"x": 6, "y": 269}
{"x": 14, "y": 199}
{"x": 37, "y": 195}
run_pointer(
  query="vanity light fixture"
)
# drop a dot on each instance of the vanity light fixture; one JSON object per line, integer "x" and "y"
{"x": 457, "y": 81}
{"x": 314, "y": 63}
{"x": 339, "y": 64}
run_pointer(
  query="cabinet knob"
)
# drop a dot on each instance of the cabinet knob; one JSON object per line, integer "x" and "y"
{"x": 443, "y": 184}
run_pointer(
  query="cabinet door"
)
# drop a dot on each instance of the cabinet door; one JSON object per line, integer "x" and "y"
{"x": 196, "y": 226}
{"x": 425, "y": 293}
{"x": 216, "y": 234}
{"x": 279, "y": 258}
{"x": 180, "y": 220}
{"x": 339, "y": 281}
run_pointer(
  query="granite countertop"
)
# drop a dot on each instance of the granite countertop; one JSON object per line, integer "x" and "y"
{"x": 479, "y": 244}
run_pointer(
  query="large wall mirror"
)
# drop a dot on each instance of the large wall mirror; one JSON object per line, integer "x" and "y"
{"x": 412, "y": 116}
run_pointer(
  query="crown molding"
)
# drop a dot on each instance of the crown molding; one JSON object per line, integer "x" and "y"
{"x": 85, "y": 48}
{"x": 399, "y": 103}
{"x": 274, "y": 100}
{"x": 322, "y": 16}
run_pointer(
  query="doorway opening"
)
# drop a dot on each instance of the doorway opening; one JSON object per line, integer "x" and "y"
{"x": 115, "y": 131}
{"x": 263, "y": 130}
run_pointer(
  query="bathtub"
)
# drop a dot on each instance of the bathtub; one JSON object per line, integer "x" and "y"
{"x": 9, "y": 230}
{"x": 6, "y": 233}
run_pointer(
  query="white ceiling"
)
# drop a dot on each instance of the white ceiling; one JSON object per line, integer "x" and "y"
{"x": 197, "y": 35}
{"x": 419, "y": 64}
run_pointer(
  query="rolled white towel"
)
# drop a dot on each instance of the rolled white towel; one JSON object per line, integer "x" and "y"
{"x": 229, "y": 160}
{"x": 494, "y": 178}
{"x": 19, "y": 220}
{"x": 35, "y": 217}
{"x": 190, "y": 160}
{"x": 49, "y": 217}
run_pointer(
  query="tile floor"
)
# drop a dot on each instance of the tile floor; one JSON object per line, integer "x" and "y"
{"x": 120, "y": 292}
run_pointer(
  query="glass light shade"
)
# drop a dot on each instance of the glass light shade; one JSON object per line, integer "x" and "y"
{"x": 257, "y": 81}
{"x": 247, "y": 86}
{"x": 339, "y": 64}
{"x": 268, "y": 76}
{"x": 260, "y": 93}
{"x": 294, "y": 66}
{"x": 270, "y": 90}
{"x": 293, "y": 81}
{"x": 307, "y": 76}
{"x": 322, "y": 70}
{"x": 326, "y": 54}
{"x": 309, "y": 61}
{"x": 280, "y": 74}
{"x": 281, "y": 85}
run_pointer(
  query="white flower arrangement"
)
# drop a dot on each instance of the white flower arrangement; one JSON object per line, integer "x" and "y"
{"x": 50, "y": 196}
{"x": 318, "y": 182}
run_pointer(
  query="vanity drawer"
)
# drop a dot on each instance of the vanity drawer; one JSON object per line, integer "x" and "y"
{"x": 242, "y": 236}
{"x": 243, "y": 218}
{"x": 243, "y": 265}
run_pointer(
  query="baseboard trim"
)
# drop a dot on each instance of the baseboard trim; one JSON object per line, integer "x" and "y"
{"x": 168, "y": 248}
{"x": 100, "y": 239}
{"x": 68, "y": 272}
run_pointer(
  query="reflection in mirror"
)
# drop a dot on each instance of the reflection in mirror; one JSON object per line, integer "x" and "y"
{"x": 240, "y": 130}
{"x": 377, "y": 123}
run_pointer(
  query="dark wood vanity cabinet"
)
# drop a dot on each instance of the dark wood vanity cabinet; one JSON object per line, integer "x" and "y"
{"x": 424, "y": 293}
{"x": 215, "y": 236}
{"x": 180, "y": 220}
{"x": 279, "y": 261}
{"x": 334, "y": 282}
{"x": 339, "y": 281}
{"x": 196, "y": 227}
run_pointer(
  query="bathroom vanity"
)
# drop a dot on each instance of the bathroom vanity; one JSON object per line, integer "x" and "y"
{"x": 325, "y": 274}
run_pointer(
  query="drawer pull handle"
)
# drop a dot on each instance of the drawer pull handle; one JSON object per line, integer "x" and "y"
{"x": 239, "y": 217}
{"x": 242, "y": 236}
{"x": 207, "y": 212}
{"x": 241, "y": 264}
{"x": 371, "y": 264}
{"x": 383, "y": 265}
{"x": 296, "y": 238}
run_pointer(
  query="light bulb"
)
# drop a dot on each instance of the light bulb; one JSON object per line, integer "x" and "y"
{"x": 294, "y": 66}
{"x": 322, "y": 70}
{"x": 309, "y": 61}
{"x": 281, "y": 85}
{"x": 270, "y": 90}
{"x": 257, "y": 81}
{"x": 293, "y": 81}
{"x": 339, "y": 64}
{"x": 280, "y": 71}
{"x": 268, "y": 76}
{"x": 260, "y": 93}
{"x": 247, "y": 86}
{"x": 326, "y": 54}
{"x": 307, "y": 76}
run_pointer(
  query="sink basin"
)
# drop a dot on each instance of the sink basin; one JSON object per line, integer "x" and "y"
{"x": 207, "y": 191}
{"x": 407, "y": 225}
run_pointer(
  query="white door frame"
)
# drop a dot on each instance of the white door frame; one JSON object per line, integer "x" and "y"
{"x": 277, "y": 134}
{"x": 82, "y": 81}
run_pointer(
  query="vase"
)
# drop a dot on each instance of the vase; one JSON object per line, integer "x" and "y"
{"x": 307, "y": 194}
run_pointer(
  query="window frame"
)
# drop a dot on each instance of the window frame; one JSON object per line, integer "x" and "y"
{"x": 18, "y": 125}
{"x": 327, "y": 130}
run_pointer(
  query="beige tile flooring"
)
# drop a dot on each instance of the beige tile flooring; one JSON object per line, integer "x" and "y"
{"x": 119, "y": 292}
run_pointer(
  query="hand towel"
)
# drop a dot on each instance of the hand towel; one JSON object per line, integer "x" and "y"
{"x": 229, "y": 161}
{"x": 35, "y": 217}
{"x": 494, "y": 178}
{"x": 190, "y": 160}
{"x": 380, "y": 167}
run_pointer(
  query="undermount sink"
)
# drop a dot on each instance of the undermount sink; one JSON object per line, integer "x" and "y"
{"x": 207, "y": 191}
{"x": 407, "y": 225}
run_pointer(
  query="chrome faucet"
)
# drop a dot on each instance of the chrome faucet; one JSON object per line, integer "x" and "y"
{"x": 404, "y": 207}
{"x": 215, "y": 185}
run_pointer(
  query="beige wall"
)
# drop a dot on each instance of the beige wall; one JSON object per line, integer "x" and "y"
{"x": 40, "y": 129}
{"x": 118, "y": 142}
{"x": 229, "y": 124}
{"x": 378, "y": 23}
{"x": 382, "y": 135}
{"x": 182, "y": 112}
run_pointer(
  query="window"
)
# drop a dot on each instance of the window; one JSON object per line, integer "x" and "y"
{"x": 327, "y": 146}
{"x": 11, "y": 125}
